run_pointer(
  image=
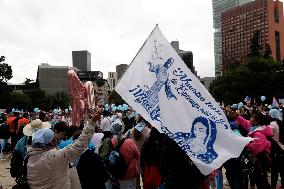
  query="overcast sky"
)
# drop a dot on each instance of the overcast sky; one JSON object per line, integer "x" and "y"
{"x": 39, "y": 31}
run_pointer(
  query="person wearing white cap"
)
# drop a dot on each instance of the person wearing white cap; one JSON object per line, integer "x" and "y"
{"x": 48, "y": 166}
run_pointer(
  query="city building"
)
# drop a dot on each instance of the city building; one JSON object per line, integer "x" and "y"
{"x": 120, "y": 70}
{"x": 218, "y": 7}
{"x": 82, "y": 60}
{"x": 112, "y": 80}
{"x": 21, "y": 87}
{"x": 53, "y": 79}
{"x": 89, "y": 75}
{"x": 241, "y": 23}
{"x": 18, "y": 88}
{"x": 186, "y": 56}
{"x": 206, "y": 81}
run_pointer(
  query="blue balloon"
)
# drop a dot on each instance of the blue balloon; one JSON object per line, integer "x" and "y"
{"x": 262, "y": 98}
{"x": 125, "y": 107}
{"x": 120, "y": 108}
{"x": 13, "y": 110}
{"x": 240, "y": 105}
{"x": 113, "y": 108}
{"x": 235, "y": 106}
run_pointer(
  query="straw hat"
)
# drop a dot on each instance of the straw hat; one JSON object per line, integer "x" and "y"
{"x": 35, "y": 125}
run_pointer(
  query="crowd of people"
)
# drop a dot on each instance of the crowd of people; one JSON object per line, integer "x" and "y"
{"x": 120, "y": 149}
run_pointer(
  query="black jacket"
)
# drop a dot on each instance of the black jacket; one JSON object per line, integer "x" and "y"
{"x": 176, "y": 168}
{"x": 91, "y": 171}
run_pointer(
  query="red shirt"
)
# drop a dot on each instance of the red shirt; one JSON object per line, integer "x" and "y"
{"x": 22, "y": 121}
{"x": 131, "y": 155}
{"x": 10, "y": 120}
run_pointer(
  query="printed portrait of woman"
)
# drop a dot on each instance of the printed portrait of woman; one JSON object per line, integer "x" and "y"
{"x": 199, "y": 142}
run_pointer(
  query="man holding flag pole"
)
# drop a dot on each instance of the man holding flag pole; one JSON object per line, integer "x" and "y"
{"x": 160, "y": 87}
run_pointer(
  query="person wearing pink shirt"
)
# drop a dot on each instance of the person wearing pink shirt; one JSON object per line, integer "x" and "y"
{"x": 258, "y": 129}
{"x": 131, "y": 155}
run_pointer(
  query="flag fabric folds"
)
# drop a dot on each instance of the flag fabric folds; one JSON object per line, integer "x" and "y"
{"x": 160, "y": 87}
{"x": 247, "y": 100}
{"x": 275, "y": 103}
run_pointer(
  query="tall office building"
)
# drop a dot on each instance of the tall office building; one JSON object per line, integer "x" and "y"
{"x": 120, "y": 70}
{"x": 112, "y": 80}
{"x": 82, "y": 60}
{"x": 239, "y": 25}
{"x": 218, "y": 7}
{"x": 53, "y": 79}
{"x": 186, "y": 56}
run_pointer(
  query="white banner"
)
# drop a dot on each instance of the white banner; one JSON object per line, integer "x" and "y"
{"x": 160, "y": 87}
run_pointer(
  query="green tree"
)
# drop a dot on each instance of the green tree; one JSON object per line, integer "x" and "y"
{"x": 61, "y": 100}
{"x": 100, "y": 82}
{"x": 259, "y": 76}
{"x": 4, "y": 95}
{"x": 20, "y": 101}
{"x": 254, "y": 45}
{"x": 267, "y": 52}
{"x": 28, "y": 84}
{"x": 115, "y": 98}
{"x": 38, "y": 98}
{"x": 5, "y": 70}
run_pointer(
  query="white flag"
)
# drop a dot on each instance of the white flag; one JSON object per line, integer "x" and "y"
{"x": 160, "y": 87}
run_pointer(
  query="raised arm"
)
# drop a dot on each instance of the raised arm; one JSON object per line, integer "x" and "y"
{"x": 73, "y": 151}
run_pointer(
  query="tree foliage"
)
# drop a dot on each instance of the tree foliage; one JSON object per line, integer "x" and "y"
{"x": 38, "y": 98}
{"x": 28, "y": 84}
{"x": 258, "y": 76}
{"x": 5, "y": 70}
{"x": 267, "y": 52}
{"x": 115, "y": 98}
{"x": 100, "y": 82}
{"x": 255, "y": 48}
{"x": 4, "y": 95}
{"x": 20, "y": 101}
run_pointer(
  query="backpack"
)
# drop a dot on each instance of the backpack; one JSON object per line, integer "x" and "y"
{"x": 117, "y": 164}
{"x": 105, "y": 150}
{"x": 21, "y": 181}
{"x": 246, "y": 162}
{"x": 16, "y": 164}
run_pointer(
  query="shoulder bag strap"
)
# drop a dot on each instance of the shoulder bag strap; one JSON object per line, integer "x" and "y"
{"x": 25, "y": 170}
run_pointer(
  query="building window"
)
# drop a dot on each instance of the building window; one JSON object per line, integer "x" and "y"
{"x": 276, "y": 14}
{"x": 277, "y": 45}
